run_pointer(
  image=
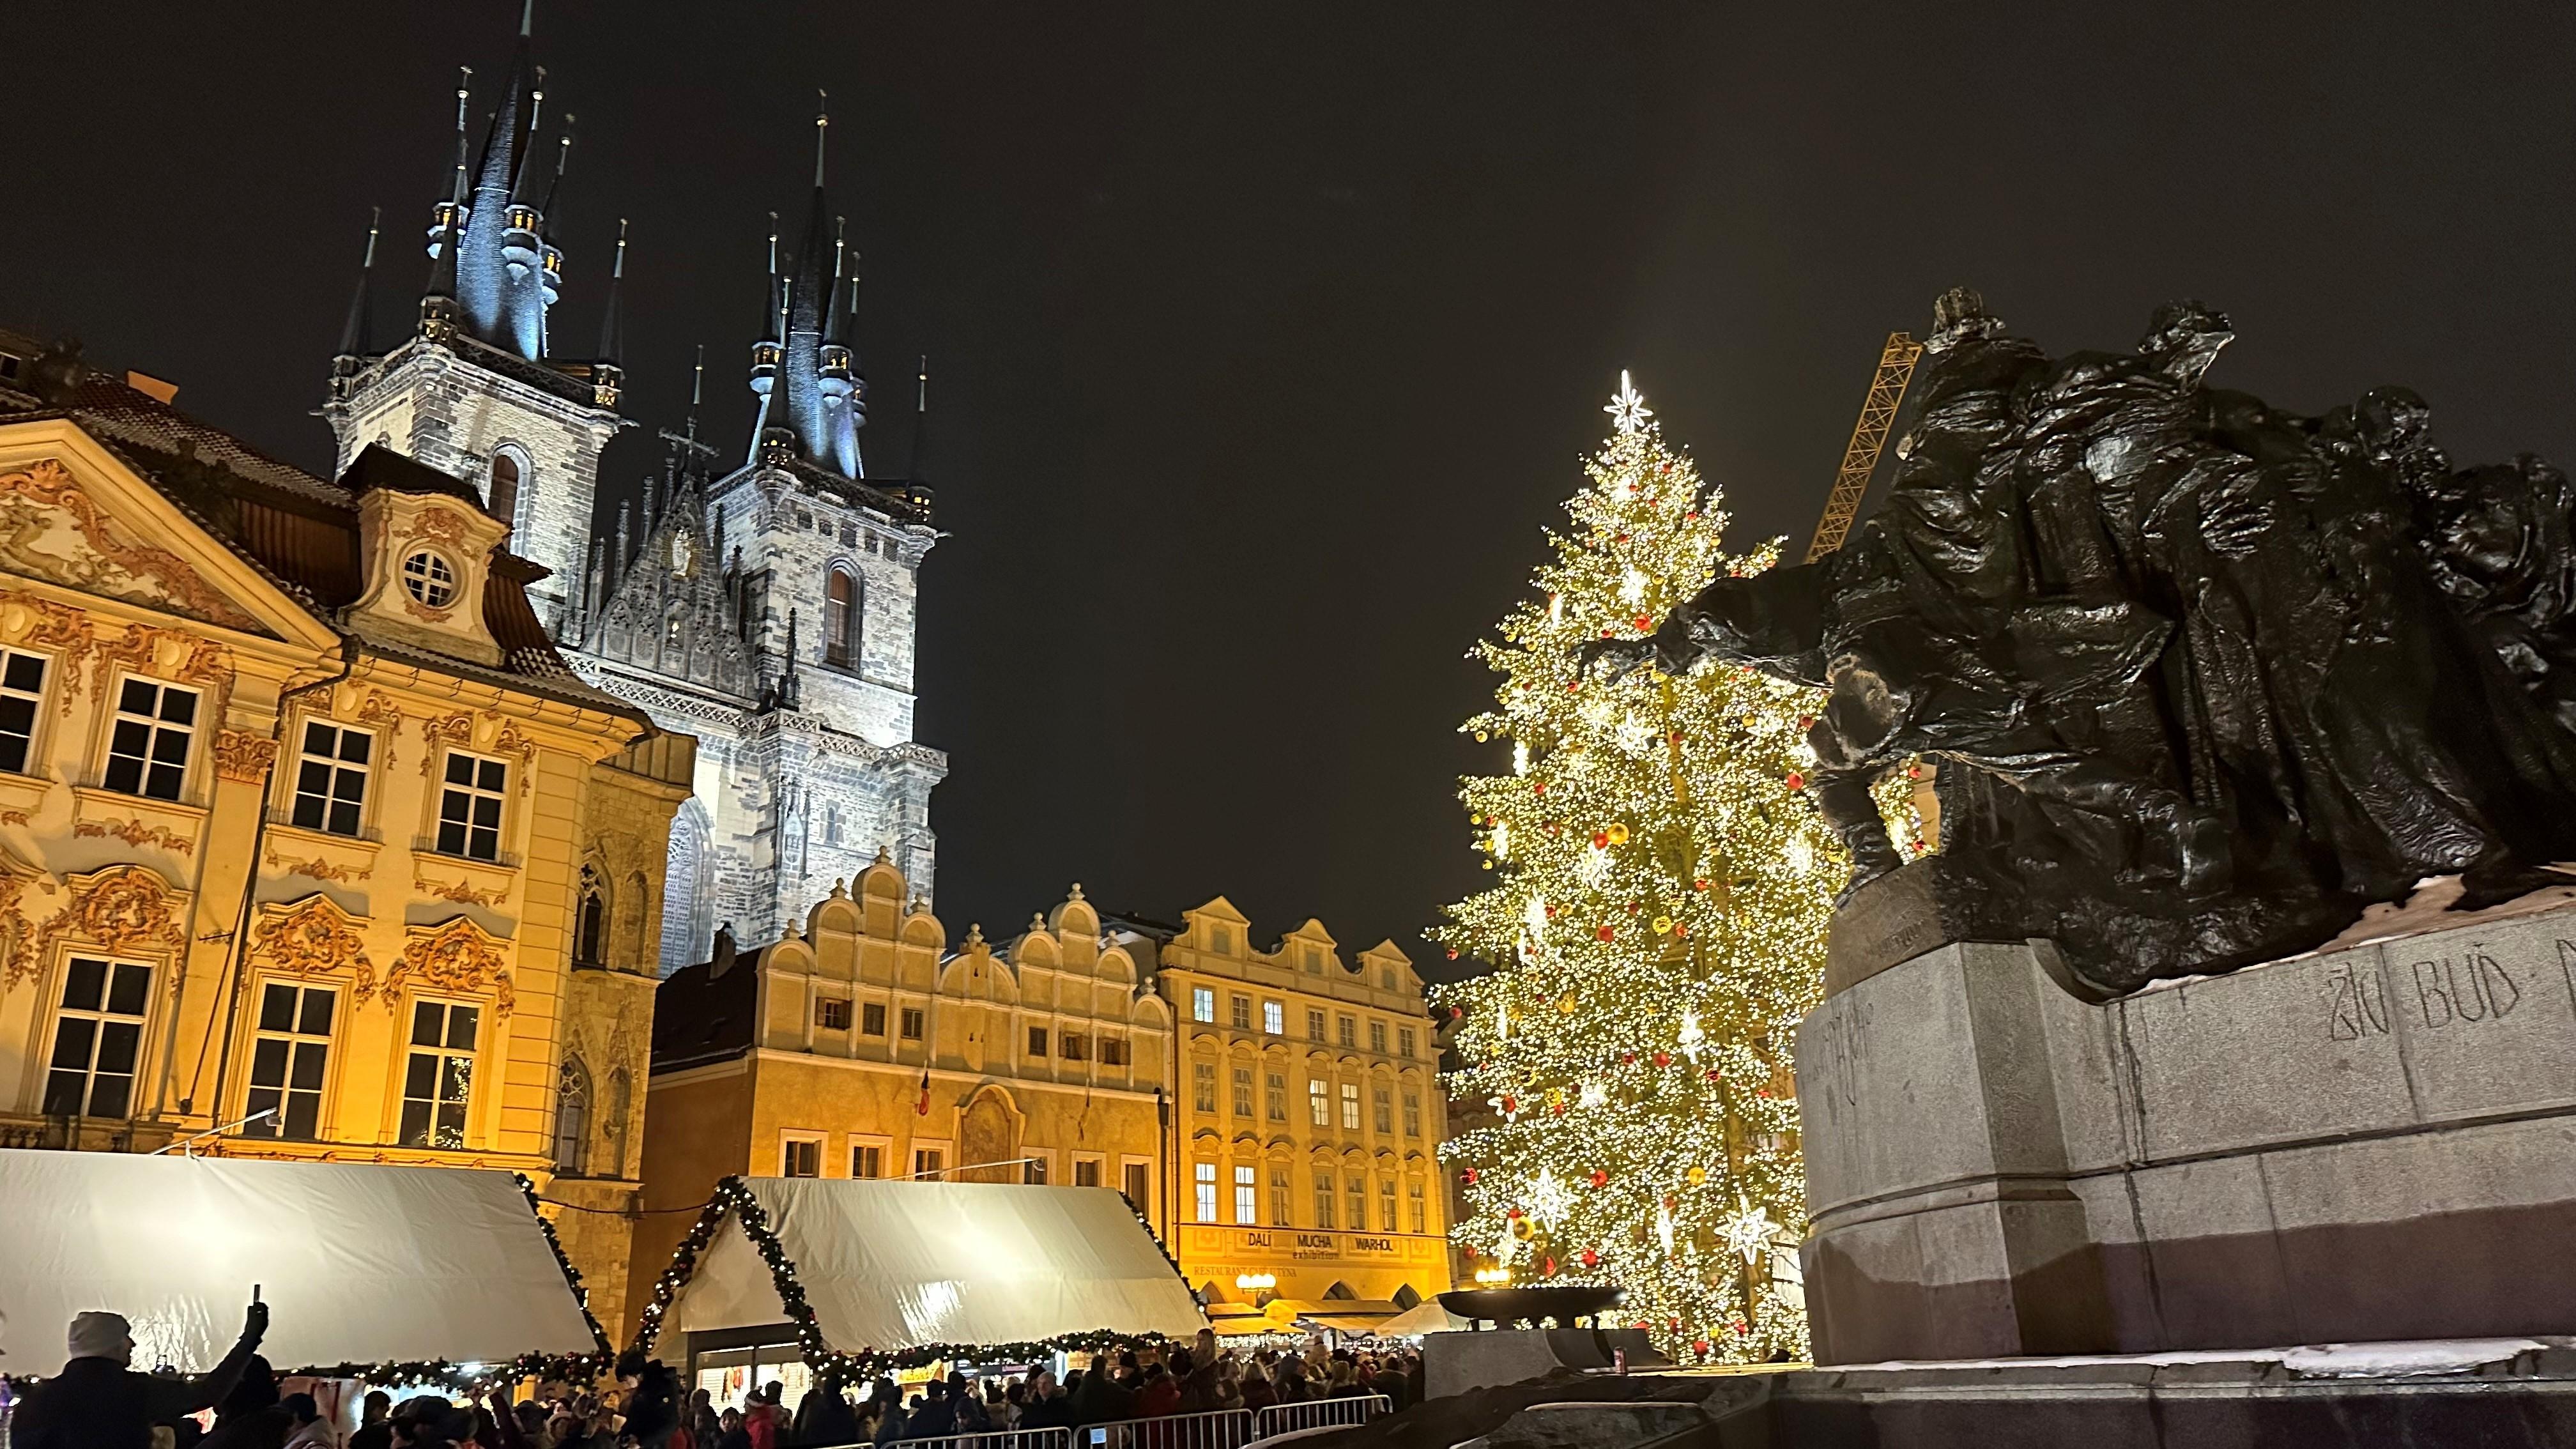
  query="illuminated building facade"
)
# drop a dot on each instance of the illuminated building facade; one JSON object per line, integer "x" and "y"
{"x": 304, "y": 821}
{"x": 1308, "y": 1119}
{"x": 861, "y": 1044}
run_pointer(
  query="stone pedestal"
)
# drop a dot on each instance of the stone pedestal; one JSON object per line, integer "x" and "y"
{"x": 2374, "y": 1144}
{"x": 1453, "y": 1363}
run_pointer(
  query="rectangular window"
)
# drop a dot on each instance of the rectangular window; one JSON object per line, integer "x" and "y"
{"x": 1413, "y": 1205}
{"x": 1242, "y": 1007}
{"x": 1243, "y": 1091}
{"x": 800, "y": 1157}
{"x": 1347, "y": 1030}
{"x": 1319, "y": 1103}
{"x": 1413, "y": 1114}
{"x": 1113, "y": 1051}
{"x": 1086, "y": 1172}
{"x": 1034, "y": 1172}
{"x": 872, "y": 1018}
{"x": 1350, "y": 1106}
{"x": 22, "y": 694}
{"x": 1358, "y": 1186}
{"x": 1037, "y": 1041}
{"x": 1279, "y": 1195}
{"x": 331, "y": 779}
{"x": 929, "y": 1164}
{"x": 438, "y": 1080}
{"x": 1275, "y": 1096}
{"x": 832, "y": 1013}
{"x": 1140, "y": 1185}
{"x": 1274, "y": 1018}
{"x": 147, "y": 750}
{"x": 1382, "y": 1108}
{"x": 98, "y": 1038}
{"x": 912, "y": 1023}
{"x": 1247, "y": 1197}
{"x": 867, "y": 1159}
{"x": 1404, "y": 1041}
{"x": 1203, "y": 1086}
{"x": 1314, "y": 1025}
{"x": 287, "y": 1060}
{"x": 1377, "y": 1037}
{"x": 1323, "y": 1199}
{"x": 1204, "y": 1175}
{"x": 1203, "y": 1003}
{"x": 1073, "y": 1046}
{"x": 469, "y": 809}
{"x": 1386, "y": 1205}
{"x": 1314, "y": 960}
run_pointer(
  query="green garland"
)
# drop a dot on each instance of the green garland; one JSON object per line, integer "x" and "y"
{"x": 733, "y": 1198}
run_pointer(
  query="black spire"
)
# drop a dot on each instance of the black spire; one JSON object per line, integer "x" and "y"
{"x": 438, "y": 307}
{"x": 921, "y": 424}
{"x": 610, "y": 320}
{"x": 356, "y": 334}
{"x": 505, "y": 144}
{"x": 563, "y": 158}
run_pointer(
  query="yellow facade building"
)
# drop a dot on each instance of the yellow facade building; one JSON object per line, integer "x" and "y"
{"x": 303, "y": 821}
{"x": 1309, "y": 1119}
{"x": 861, "y": 1045}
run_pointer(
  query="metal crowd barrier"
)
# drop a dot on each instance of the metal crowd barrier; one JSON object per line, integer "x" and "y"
{"x": 1320, "y": 1414}
{"x": 1049, "y": 1438}
{"x": 1217, "y": 1429}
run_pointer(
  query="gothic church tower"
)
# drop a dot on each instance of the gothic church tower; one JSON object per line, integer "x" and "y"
{"x": 479, "y": 390}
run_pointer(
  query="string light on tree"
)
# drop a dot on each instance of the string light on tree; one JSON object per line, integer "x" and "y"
{"x": 1662, "y": 910}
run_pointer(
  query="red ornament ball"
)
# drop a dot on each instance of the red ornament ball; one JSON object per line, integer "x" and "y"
{"x": 1663, "y": 1059}
{"x": 1601, "y": 840}
{"x": 1515, "y": 1214}
{"x": 1700, "y": 1346}
{"x": 1605, "y": 633}
{"x": 1806, "y": 721}
{"x": 1538, "y": 787}
{"x": 1468, "y": 1177}
{"x": 1600, "y": 1178}
{"x": 1700, "y": 884}
{"x": 1590, "y": 1258}
{"x": 1644, "y": 623}
{"x": 1797, "y": 781}
{"x": 1511, "y": 1104}
{"x": 1627, "y": 1059}
{"x": 1694, "y": 513}
{"x": 1547, "y": 1267}
{"x": 1556, "y": 1109}
{"x": 1453, "y": 954}
{"x": 1679, "y": 929}
{"x": 1605, "y": 933}
{"x": 1715, "y": 1075}
{"x": 1758, "y": 1091}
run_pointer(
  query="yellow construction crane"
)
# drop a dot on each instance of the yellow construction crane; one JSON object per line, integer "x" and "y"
{"x": 1868, "y": 440}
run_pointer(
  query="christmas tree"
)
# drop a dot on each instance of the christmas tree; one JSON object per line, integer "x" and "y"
{"x": 1656, "y": 927}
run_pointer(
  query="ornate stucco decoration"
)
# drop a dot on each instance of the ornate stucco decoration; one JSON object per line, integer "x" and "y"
{"x": 313, "y": 937}
{"x": 40, "y": 623}
{"x": 459, "y": 956}
{"x": 485, "y": 733}
{"x": 18, "y": 956}
{"x": 461, "y": 892}
{"x": 52, "y": 529}
{"x": 244, "y": 757}
{"x": 121, "y": 908}
{"x": 137, "y": 833}
{"x": 173, "y": 654}
{"x": 317, "y": 869}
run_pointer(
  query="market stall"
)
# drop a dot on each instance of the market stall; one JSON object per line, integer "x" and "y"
{"x": 864, "y": 1276}
{"x": 390, "y": 1274}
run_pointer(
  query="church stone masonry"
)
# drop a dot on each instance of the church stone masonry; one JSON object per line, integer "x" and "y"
{"x": 765, "y": 604}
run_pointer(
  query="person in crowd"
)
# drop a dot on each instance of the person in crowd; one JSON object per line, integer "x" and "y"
{"x": 762, "y": 1419}
{"x": 1160, "y": 1397}
{"x": 652, "y": 1407}
{"x": 1343, "y": 1381}
{"x": 823, "y": 1417}
{"x": 730, "y": 1434}
{"x": 1101, "y": 1400}
{"x": 1198, "y": 1370}
{"x": 885, "y": 1406}
{"x": 250, "y": 1416}
{"x": 936, "y": 1418}
{"x": 311, "y": 1430}
{"x": 372, "y": 1431}
{"x": 1255, "y": 1387}
{"x": 97, "y": 1402}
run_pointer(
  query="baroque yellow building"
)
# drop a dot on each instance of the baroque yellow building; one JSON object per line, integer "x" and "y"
{"x": 861, "y": 1045}
{"x": 1309, "y": 1122}
{"x": 310, "y": 845}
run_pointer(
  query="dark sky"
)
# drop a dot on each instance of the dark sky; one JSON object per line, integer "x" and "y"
{"x": 1265, "y": 338}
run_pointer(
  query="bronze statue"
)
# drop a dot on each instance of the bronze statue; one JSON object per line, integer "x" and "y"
{"x": 2205, "y": 679}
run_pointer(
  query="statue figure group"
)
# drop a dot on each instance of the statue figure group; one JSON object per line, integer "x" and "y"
{"x": 2203, "y": 679}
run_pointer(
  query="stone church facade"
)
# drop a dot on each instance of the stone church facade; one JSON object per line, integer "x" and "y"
{"x": 763, "y": 598}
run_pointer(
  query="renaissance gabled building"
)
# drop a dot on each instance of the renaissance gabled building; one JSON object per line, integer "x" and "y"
{"x": 763, "y": 598}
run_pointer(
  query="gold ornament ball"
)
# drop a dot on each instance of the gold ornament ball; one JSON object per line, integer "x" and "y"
{"x": 1698, "y": 1176}
{"x": 1618, "y": 834}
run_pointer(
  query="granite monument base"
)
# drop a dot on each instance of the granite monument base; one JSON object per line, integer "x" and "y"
{"x": 1454, "y": 1363}
{"x": 2358, "y": 1145}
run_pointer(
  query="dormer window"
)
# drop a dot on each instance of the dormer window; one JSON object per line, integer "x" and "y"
{"x": 429, "y": 579}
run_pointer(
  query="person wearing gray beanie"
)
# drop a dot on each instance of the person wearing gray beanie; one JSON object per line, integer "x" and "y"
{"x": 98, "y": 1402}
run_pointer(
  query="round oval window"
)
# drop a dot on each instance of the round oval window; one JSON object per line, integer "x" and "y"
{"x": 430, "y": 579}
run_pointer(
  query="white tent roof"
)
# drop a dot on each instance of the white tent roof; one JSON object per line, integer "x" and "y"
{"x": 1426, "y": 1316}
{"x": 358, "y": 1264}
{"x": 892, "y": 1265}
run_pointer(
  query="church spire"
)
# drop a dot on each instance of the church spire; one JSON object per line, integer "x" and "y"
{"x": 921, "y": 426}
{"x": 811, "y": 391}
{"x": 605, "y": 372}
{"x": 438, "y": 306}
{"x": 563, "y": 158}
{"x": 505, "y": 273}
{"x": 356, "y": 333}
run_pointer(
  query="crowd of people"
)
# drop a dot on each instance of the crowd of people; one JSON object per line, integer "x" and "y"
{"x": 98, "y": 1402}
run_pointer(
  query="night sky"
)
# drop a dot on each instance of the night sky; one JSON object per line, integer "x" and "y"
{"x": 1265, "y": 338}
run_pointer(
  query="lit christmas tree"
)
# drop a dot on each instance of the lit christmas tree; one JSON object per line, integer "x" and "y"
{"x": 1657, "y": 925}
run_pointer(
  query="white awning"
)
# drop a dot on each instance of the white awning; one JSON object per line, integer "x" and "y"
{"x": 892, "y": 1265}
{"x": 1424, "y": 1317}
{"x": 358, "y": 1264}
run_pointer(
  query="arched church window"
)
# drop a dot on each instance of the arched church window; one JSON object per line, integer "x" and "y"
{"x": 841, "y": 618}
{"x": 687, "y": 891}
{"x": 675, "y": 658}
{"x": 507, "y": 471}
{"x": 572, "y": 1117}
{"x": 590, "y": 923}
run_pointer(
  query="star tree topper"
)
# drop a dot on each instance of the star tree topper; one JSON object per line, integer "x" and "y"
{"x": 1628, "y": 411}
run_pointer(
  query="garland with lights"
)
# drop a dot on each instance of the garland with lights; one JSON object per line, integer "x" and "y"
{"x": 733, "y": 1199}
{"x": 1656, "y": 922}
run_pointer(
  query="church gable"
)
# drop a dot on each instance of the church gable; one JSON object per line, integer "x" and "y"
{"x": 673, "y": 613}
{"x": 73, "y": 515}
